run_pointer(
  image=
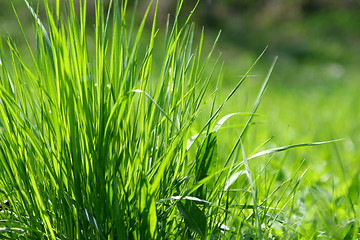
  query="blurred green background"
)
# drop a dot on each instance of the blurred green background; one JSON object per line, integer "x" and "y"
{"x": 314, "y": 88}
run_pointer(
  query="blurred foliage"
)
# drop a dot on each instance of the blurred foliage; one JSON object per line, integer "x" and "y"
{"x": 299, "y": 29}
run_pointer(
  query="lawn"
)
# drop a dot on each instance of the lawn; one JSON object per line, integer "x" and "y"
{"x": 118, "y": 127}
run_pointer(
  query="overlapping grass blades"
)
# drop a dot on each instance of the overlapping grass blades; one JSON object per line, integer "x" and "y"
{"x": 85, "y": 148}
{"x": 95, "y": 144}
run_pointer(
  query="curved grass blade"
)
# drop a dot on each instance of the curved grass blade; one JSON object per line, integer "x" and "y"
{"x": 280, "y": 149}
{"x": 194, "y": 218}
{"x": 233, "y": 178}
{"x": 205, "y": 158}
{"x": 224, "y": 119}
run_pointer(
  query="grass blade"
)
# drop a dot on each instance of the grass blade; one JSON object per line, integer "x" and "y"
{"x": 280, "y": 149}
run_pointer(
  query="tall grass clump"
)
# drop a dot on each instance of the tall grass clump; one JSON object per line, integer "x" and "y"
{"x": 96, "y": 144}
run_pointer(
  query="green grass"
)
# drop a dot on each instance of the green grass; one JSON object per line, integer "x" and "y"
{"x": 130, "y": 136}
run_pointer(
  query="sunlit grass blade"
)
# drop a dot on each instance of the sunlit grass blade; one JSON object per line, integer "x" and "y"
{"x": 253, "y": 192}
{"x": 285, "y": 148}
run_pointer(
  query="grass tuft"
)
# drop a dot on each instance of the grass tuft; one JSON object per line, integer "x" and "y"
{"x": 97, "y": 141}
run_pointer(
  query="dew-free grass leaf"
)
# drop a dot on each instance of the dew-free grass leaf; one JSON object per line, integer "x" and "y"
{"x": 191, "y": 140}
{"x": 194, "y": 218}
{"x": 280, "y": 149}
{"x": 205, "y": 158}
{"x": 224, "y": 119}
{"x": 349, "y": 231}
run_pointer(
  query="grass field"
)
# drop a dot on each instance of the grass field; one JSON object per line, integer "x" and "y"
{"x": 124, "y": 131}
